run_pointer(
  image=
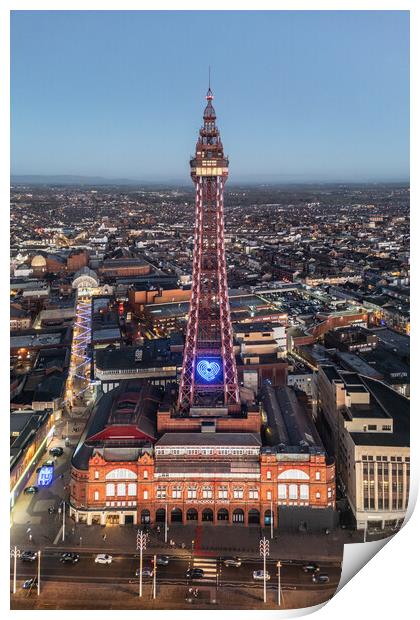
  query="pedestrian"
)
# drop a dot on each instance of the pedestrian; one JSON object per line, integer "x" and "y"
{"x": 158, "y": 529}
{"x": 30, "y": 537}
{"x": 104, "y": 537}
{"x": 183, "y": 545}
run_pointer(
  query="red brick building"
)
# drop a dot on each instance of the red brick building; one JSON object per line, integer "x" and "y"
{"x": 123, "y": 473}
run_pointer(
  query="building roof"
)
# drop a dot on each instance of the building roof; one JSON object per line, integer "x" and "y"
{"x": 209, "y": 439}
{"x": 123, "y": 419}
{"x": 288, "y": 422}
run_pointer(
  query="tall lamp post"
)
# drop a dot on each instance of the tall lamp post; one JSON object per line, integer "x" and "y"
{"x": 166, "y": 523}
{"x": 154, "y": 575}
{"x": 39, "y": 573}
{"x": 14, "y": 553}
{"x": 141, "y": 545}
{"x": 64, "y": 520}
{"x": 279, "y": 584}
{"x": 271, "y": 520}
{"x": 264, "y": 552}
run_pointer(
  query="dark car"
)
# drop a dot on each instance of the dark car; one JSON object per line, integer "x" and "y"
{"x": 147, "y": 571}
{"x": 194, "y": 573}
{"x": 58, "y": 451}
{"x": 30, "y": 490}
{"x": 28, "y": 556}
{"x": 320, "y": 578}
{"x": 236, "y": 562}
{"x": 30, "y": 583}
{"x": 162, "y": 560}
{"x": 310, "y": 567}
{"x": 69, "y": 557}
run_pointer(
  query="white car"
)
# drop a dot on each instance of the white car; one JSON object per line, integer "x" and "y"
{"x": 103, "y": 558}
{"x": 258, "y": 575}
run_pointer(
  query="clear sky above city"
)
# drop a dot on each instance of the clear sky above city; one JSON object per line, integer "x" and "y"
{"x": 300, "y": 96}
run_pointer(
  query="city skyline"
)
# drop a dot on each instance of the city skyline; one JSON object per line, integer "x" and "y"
{"x": 338, "y": 113}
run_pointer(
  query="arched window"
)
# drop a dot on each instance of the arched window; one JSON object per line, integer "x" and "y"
{"x": 121, "y": 474}
{"x": 304, "y": 491}
{"x": 132, "y": 488}
{"x": 120, "y": 489}
{"x": 293, "y": 492}
{"x": 293, "y": 474}
{"x": 110, "y": 489}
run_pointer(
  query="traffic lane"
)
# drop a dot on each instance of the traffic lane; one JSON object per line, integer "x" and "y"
{"x": 124, "y": 568}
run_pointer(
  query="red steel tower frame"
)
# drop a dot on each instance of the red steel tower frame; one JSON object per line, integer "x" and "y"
{"x": 209, "y": 340}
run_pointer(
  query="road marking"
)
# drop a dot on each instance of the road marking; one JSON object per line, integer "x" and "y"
{"x": 208, "y": 565}
{"x": 58, "y": 535}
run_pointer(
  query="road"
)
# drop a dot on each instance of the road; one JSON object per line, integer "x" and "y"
{"x": 123, "y": 569}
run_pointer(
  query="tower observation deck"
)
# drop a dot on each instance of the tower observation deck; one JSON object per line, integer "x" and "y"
{"x": 209, "y": 377}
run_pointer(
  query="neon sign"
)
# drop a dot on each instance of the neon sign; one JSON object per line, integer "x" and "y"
{"x": 209, "y": 370}
{"x": 45, "y": 476}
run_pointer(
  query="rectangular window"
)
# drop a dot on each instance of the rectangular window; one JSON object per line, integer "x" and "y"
{"x": 96, "y": 475}
{"x": 145, "y": 494}
{"x": 268, "y": 494}
{"x": 132, "y": 488}
{"x": 96, "y": 495}
{"x": 253, "y": 493}
{"x": 293, "y": 491}
{"x": 238, "y": 493}
{"x": 192, "y": 493}
{"x": 145, "y": 474}
{"x": 282, "y": 491}
{"x": 304, "y": 491}
{"x": 223, "y": 493}
{"x": 317, "y": 475}
{"x": 269, "y": 475}
{"x": 372, "y": 427}
{"x": 121, "y": 489}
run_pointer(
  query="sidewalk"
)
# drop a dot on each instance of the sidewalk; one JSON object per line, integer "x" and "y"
{"x": 208, "y": 540}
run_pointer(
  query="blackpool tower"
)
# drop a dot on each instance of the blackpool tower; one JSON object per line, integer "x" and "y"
{"x": 209, "y": 377}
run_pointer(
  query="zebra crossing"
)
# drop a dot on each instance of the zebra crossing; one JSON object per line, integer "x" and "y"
{"x": 208, "y": 565}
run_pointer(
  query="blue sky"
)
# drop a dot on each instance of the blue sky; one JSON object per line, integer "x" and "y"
{"x": 300, "y": 95}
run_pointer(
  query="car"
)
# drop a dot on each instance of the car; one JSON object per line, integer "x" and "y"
{"x": 147, "y": 571}
{"x": 57, "y": 451}
{"x": 31, "y": 490}
{"x": 258, "y": 575}
{"x": 30, "y": 583}
{"x": 320, "y": 578}
{"x": 194, "y": 573}
{"x": 162, "y": 560}
{"x": 103, "y": 558}
{"x": 69, "y": 557}
{"x": 236, "y": 562}
{"x": 310, "y": 567}
{"x": 28, "y": 556}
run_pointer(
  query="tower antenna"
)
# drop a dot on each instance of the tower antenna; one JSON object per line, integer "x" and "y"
{"x": 209, "y": 76}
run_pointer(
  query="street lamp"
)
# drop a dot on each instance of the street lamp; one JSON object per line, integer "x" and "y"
{"x": 166, "y": 523}
{"x": 192, "y": 549}
{"x": 14, "y": 553}
{"x": 141, "y": 545}
{"x": 271, "y": 519}
{"x": 264, "y": 552}
{"x": 39, "y": 573}
{"x": 279, "y": 584}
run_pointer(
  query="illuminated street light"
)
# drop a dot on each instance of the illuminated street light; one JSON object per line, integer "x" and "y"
{"x": 264, "y": 552}
{"x": 141, "y": 546}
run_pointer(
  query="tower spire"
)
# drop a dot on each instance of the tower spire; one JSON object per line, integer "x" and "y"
{"x": 209, "y": 96}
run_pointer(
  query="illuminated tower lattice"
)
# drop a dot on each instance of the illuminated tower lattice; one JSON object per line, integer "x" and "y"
{"x": 209, "y": 376}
